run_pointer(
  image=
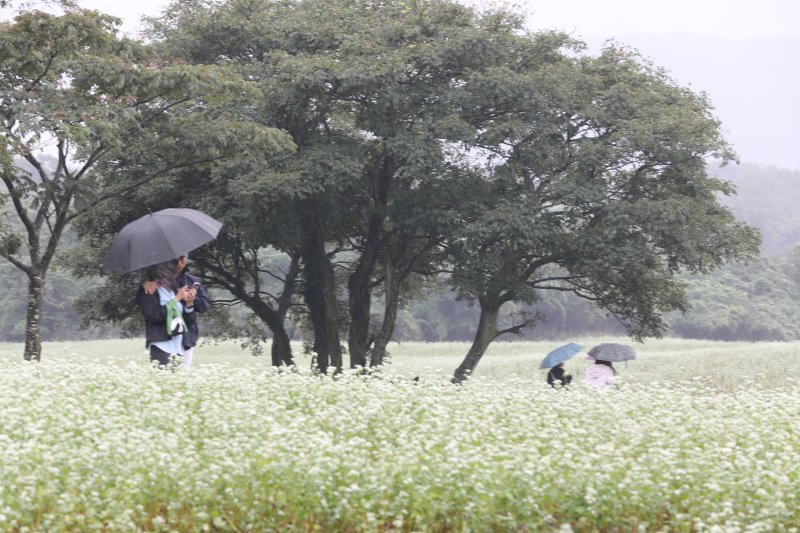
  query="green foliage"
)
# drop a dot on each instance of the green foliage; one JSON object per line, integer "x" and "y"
{"x": 111, "y": 117}
{"x": 599, "y": 188}
{"x": 424, "y": 129}
{"x": 60, "y": 318}
{"x": 744, "y": 301}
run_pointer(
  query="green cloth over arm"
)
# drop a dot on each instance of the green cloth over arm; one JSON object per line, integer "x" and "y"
{"x": 173, "y": 312}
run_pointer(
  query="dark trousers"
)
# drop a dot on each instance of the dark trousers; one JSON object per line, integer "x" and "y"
{"x": 157, "y": 354}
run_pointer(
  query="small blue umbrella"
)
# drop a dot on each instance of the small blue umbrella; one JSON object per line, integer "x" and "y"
{"x": 560, "y": 354}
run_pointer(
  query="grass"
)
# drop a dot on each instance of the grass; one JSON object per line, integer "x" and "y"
{"x": 723, "y": 365}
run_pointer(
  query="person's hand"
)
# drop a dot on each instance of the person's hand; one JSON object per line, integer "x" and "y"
{"x": 149, "y": 287}
{"x": 191, "y": 294}
{"x": 182, "y": 294}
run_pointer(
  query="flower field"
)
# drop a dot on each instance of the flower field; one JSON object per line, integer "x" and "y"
{"x": 97, "y": 444}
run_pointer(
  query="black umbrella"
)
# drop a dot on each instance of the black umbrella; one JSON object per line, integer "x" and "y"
{"x": 158, "y": 237}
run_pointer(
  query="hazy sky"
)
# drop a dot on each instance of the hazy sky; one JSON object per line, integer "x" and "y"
{"x": 715, "y": 18}
{"x": 745, "y": 54}
{"x": 605, "y": 18}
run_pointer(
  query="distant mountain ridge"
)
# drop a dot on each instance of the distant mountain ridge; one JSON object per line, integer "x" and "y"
{"x": 767, "y": 198}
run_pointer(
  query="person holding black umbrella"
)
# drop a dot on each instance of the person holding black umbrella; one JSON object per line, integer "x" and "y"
{"x": 168, "y": 314}
{"x": 169, "y": 304}
{"x": 197, "y": 302}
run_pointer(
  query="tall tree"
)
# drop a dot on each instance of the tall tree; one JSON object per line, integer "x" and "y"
{"x": 271, "y": 43}
{"x": 72, "y": 91}
{"x": 596, "y": 185}
{"x": 371, "y": 94}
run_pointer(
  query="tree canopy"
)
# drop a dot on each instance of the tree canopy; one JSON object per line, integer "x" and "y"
{"x": 430, "y": 138}
{"x": 597, "y": 185}
{"x": 98, "y": 108}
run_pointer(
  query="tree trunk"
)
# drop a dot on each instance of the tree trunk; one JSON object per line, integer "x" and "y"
{"x": 320, "y": 296}
{"x": 281, "y": 347}
{"x": 392, "y": 297}
{"x": 487, "y": 332}
{"x": 275, "y": 321}
{"x": 281, "y": 342}
{"x": 359, "y": 287}
{"x": 359, "y": 284}
{"x": 33, "y": 319}
{"x": 360, "y": 301}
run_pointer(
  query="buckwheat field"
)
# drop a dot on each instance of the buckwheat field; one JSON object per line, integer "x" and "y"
{"x": 698, "y": 436}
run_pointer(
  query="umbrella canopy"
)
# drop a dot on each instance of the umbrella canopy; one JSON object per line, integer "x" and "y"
{"x": 158, "y": 237}
{"x": 560, "y": 354}
{"x": 612, "y": 352}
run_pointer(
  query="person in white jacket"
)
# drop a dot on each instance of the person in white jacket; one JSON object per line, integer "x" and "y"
{"x": 601, "y": 375}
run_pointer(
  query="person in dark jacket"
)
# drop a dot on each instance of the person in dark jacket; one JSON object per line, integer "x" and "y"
{"x": 167, "y": 313}
{"x": 196, "y": 302}
{"x": 557, "y": 373}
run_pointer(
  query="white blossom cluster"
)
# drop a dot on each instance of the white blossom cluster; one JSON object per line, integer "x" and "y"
{"x": 103, "y": 447}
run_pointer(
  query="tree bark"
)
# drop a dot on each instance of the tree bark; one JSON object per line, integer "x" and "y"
{"x": 281, "y": 347}
{"x": 359, "y": 287}
{"x": 281, "y": 341}
{"x": 359, "y": 284}
{"x": 33, "y": 319}
{"x": 392, "y": 297}
{"x": 486, "y": 333}
{"x": 320, "y": 297}
{"x": 360, "y": 300}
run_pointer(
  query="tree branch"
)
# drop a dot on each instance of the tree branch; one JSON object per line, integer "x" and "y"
{"x": 137, "y": 184}
{"x": 22, "y": 266}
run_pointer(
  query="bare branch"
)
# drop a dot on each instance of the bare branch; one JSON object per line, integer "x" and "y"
{"x": 22, "y": 266}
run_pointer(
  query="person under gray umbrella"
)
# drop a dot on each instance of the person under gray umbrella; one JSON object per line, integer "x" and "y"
{"x": 168, "y": 315}
{"x": 601, "y": 375}
{"x": 161, "y": 239}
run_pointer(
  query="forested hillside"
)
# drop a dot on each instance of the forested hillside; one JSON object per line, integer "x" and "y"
{"x": 767, "y": 199}
{"x": 753, "y": 301}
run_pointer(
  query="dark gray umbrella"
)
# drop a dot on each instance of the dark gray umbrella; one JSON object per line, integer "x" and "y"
{"x": 158, "y": 237}
{"x": 612, "y": 352}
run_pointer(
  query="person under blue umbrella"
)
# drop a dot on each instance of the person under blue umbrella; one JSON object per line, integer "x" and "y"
{"x": 558, "y": 374}
{"x": 555, "y": 362}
